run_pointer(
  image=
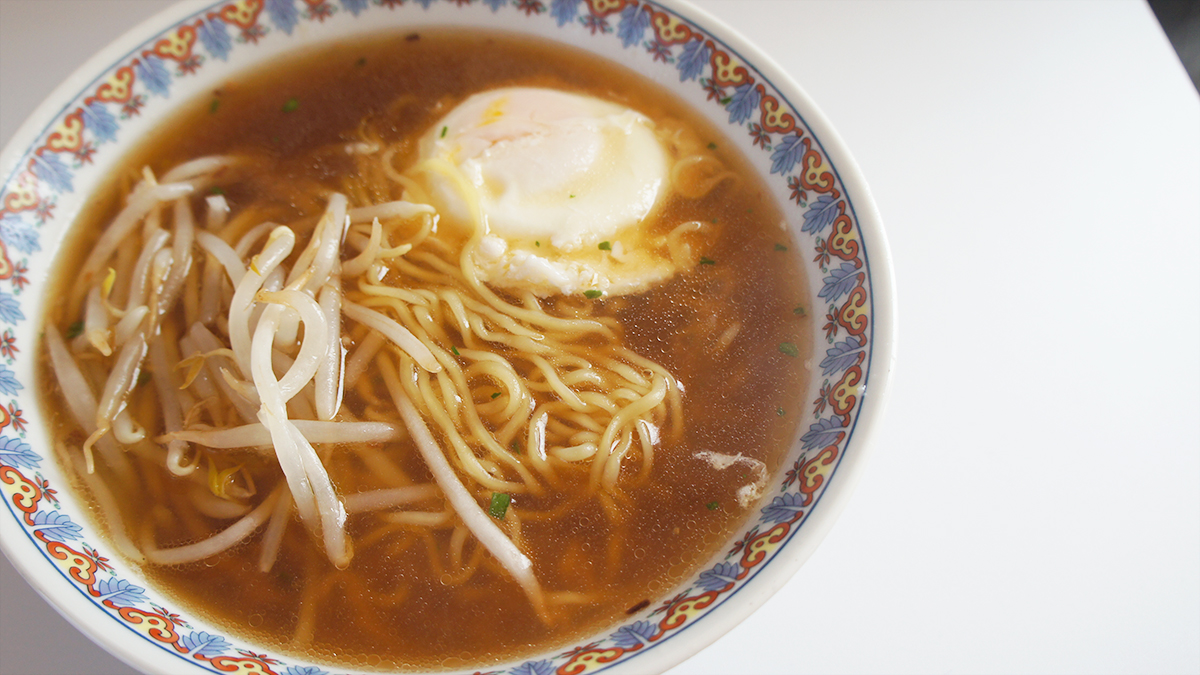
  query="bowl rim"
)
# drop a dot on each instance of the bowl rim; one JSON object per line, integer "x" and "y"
{"x": 90, "y": 620}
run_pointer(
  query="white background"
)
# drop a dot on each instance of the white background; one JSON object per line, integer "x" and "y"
{"x": 1033, "y": 502}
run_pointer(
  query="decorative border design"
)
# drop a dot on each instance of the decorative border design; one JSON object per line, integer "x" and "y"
{"x": 30, "y": 195}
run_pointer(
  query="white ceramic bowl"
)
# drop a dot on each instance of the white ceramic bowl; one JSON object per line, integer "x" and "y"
{"x": 63, "y": 149}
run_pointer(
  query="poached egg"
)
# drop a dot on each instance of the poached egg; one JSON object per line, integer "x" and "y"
{"x": 562, "y": 186}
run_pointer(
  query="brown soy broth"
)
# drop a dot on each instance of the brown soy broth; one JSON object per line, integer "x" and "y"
{"x": 391, "y": 609}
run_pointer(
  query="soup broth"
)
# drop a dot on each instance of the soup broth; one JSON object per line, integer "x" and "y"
{"x": 420, "y": 595}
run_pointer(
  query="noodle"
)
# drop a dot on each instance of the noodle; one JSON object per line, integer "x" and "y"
{"x": 306, "y": 373}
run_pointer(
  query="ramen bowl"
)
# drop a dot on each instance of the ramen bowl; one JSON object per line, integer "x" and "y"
{"x": 62, "y": 153}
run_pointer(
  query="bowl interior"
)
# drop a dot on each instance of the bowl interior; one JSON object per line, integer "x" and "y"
{"x": 62, "y": 153}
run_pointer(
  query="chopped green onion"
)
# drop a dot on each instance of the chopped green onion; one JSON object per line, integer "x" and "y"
{"x": 571, "y": 196}
{"x": 514, "y": 446}
{"x": 143, "y": 377}
{"x": 592, "y": 294}
{"x": 291, "y": 105}
{"x": 444, "y": 130}
{"x": 799, "y": 311}
{"x": 214, "y": 190}
{"x": 780, "y": 247}
{"x": 713, "y": 506}
{"x": 605, "y": 246}
{"x": 712, "y": 146}
{"x": 789, "y": 349}
{"x": 454, "y": 350}
{"x": 74, "y": 330}
{"x": 495, "y": 394}
{"x": 212, "y": 107}
{"x": 499, "y": 505}
{"x": 707, "y": 261}
{"x": 779, "y": 411}
{"x": 537, "y": 243}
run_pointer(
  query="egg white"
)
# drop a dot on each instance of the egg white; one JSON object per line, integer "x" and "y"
{"x": 560, "y": 187}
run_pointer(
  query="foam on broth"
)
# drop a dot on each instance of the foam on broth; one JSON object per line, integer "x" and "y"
{"x": 392, "y": 608}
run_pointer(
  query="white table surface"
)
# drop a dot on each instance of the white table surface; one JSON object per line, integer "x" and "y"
{"x": 1033, "y": 505}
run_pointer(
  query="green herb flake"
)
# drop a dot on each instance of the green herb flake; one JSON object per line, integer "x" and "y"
{"x": 212, "y": 107}
{"x": 779, "y": 411}
{"x": 714, "y": 221}
{"x": 537, "y": 243}
{"x": 499, "y": 505}
{"x": 74, "y": 330}
{"x": 571, "y": 196}
{"x": 495, "y": 395}
{"x": 707, "y": 261}
{"x": 712, "y": 146}
{"x": 291, "y": 106}
{"x": 789, "y": 348}
{"x": 214, "y": 190}
{"x": 143, "y": 377}
{"x": 514, "y": 446}
{"x": 444, "y": 130}
{"x": 454, "y": 351}
{"x": 780, "y": 247}
{"x": 799, "y": 311}
{"x": 592, "y": 294}
{"x": 713, "y": 506}
{"x": 605, "y": 246}
{"x": 727, "y": 100}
